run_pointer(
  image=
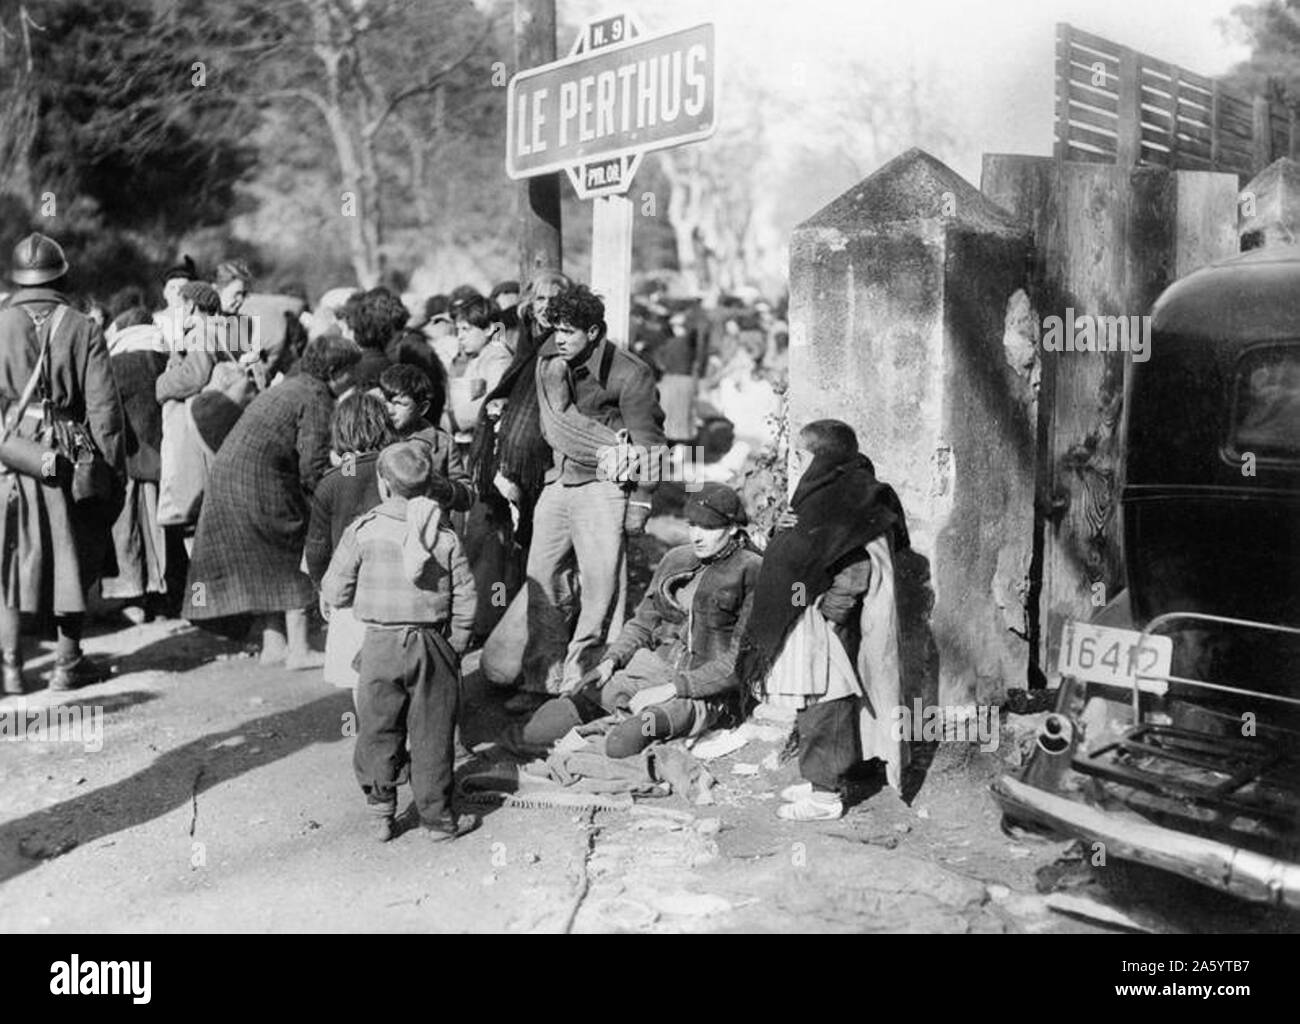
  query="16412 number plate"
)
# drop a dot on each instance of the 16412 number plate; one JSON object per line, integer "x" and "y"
{"x": 1103, "y": 654}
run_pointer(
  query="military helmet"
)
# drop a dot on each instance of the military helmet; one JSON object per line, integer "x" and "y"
{"x": 38, "y": 259}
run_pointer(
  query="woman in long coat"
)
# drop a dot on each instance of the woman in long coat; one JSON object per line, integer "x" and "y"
{"x": 248, "y": 548}
{"x": 52, "y": 547}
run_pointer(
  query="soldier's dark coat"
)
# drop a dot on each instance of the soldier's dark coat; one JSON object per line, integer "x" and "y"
{"x": 50, "y": 548}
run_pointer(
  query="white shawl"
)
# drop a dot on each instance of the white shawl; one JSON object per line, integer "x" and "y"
{"x": 813, "y": 665}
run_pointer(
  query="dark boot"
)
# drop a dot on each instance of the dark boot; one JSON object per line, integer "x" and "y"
{"x": 70, "y": 673}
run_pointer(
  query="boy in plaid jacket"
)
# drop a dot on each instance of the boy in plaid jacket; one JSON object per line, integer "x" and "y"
{"x": 401, "y": 569}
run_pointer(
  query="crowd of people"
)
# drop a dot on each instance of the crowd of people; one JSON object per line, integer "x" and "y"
{"x": 434, "y": 476}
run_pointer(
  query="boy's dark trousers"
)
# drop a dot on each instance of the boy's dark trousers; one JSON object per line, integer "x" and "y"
{"x": 410, "y": 683}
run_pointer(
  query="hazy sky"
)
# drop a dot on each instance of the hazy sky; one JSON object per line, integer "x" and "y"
{"x": 992, "y": 60}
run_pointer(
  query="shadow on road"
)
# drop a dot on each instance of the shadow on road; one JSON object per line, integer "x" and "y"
{"x": 174, "y": 779}
{"x": 108, "y": 703}
{"x": 111, "y": 702}
{"x": 180, "y": 652}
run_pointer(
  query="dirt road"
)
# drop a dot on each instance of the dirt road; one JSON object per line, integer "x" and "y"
{"x": 222, "y": 800}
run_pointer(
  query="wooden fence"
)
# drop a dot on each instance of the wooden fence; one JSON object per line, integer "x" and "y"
{"x": 1115, "y": 105}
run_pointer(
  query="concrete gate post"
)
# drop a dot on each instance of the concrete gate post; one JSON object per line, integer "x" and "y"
{"x": 1270, "y": 206}
{"x": 909, "y": 320}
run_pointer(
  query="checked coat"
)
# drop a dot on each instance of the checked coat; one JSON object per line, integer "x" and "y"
{"x": 248, "y": 547}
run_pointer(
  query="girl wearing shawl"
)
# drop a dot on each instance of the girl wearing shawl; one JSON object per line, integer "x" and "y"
{"x": 823, "y": 634}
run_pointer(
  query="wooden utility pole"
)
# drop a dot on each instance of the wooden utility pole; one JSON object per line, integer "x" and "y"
{"x": 540, "y": 238}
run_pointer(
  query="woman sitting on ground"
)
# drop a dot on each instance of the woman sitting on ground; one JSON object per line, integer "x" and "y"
{"x": 673, "y": 665}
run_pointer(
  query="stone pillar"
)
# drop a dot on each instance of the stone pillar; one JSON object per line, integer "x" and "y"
{"x": 1108, "y": 241}
{"x": 1270, "y": 206}
{"x": 910, "y": 321}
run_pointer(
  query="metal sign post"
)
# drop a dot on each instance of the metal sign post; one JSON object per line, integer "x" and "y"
{"x": 618, "y": 95}
{"x": 611, "y": 263}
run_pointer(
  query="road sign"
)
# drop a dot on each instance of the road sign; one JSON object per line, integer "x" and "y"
{"x": 618, "y": 95}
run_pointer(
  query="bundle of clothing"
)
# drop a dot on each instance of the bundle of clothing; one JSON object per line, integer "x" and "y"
{"x": 583, "y": 768}
{"x": 513, "y": 447}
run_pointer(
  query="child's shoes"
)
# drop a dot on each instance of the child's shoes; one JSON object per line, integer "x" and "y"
{"x": 452, "y": 827}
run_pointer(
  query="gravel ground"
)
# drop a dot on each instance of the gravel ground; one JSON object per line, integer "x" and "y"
{"x": 223, "y": 800}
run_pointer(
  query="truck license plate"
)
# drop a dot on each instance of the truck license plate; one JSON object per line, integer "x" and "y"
{"x": 1103, "y": 654}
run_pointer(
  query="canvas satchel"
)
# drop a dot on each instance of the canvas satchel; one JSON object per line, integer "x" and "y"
{"x": 92, "y": 478}
{"x": 31, "y": 457}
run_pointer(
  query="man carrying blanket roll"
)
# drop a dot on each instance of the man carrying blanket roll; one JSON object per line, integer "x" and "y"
{"x": 594, "y": 399}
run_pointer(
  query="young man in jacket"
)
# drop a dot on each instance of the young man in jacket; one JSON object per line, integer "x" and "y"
{"x": 592, "y": 396}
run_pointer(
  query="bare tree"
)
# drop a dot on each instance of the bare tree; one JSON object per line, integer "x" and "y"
{"x": 713, "y": 188}
{"x": 376, "y": 73}
{"x": 19, "y": 113}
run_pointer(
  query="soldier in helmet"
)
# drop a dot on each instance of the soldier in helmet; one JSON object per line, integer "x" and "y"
{"x": 56, "y": 511}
